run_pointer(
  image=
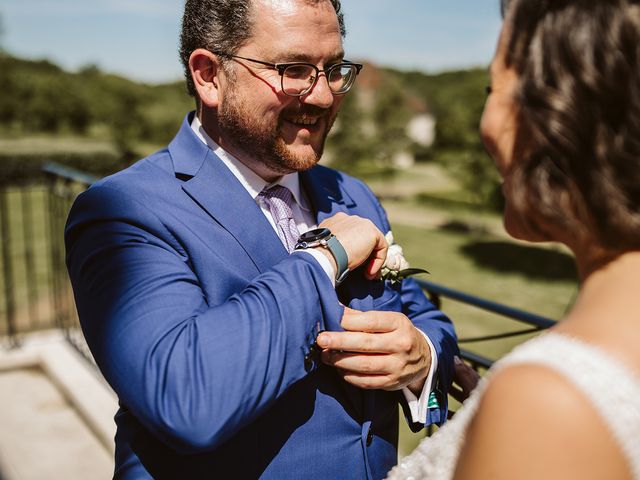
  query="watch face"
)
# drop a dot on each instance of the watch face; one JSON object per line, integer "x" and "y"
{"x": 315, "y": 234}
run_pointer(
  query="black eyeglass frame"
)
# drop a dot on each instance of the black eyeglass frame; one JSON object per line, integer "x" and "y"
{"x": 281, "y": 67}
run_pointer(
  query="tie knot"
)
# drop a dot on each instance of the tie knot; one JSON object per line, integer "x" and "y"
{"x": 278, "y": 201}
{"x": 279, "y": 192}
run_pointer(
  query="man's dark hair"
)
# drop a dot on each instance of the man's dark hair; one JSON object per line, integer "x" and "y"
{"x": 223, "y": 25}
{"x": 578, "y": 96}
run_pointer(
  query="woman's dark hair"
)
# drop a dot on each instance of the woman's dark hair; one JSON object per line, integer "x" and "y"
{"x": 578, "y": 63}
{"x": 223, "y": 25}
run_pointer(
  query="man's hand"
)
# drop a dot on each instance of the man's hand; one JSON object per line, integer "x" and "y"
{"x": 379, "y": 350}
{"x": 362, "y": 241}
{"x": 465, "y": 379}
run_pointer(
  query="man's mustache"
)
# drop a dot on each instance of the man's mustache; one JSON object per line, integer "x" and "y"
{"x": 307, "y": 110}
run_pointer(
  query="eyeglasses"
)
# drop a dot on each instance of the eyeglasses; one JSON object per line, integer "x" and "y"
{"x": 299, "y": 78}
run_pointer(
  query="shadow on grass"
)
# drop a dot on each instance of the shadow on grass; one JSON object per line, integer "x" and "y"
{"x": 533, "y": 262}
{"x": 457, "y": 226}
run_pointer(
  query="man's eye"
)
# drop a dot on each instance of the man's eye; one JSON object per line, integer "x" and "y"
{"x": 298, "y": 71}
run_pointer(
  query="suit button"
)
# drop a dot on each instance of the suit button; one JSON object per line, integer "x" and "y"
{"x": 369, "y": 437}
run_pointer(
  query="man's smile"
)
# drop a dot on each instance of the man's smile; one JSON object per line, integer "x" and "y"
{"x": 304, "y": 120}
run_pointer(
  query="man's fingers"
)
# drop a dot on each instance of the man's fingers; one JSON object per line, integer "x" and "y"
{"x": 378, "y": 257}
{"x": 373, "y": 321}
{"x": 465, "y": 379}
{"x": 368, "y": 332}
{"x": 377, "y": 359}
{"x": 464, "y": 376}
{"x": 356, "y": 342}
{"x": 361, "y": 239}
{"x": 371, "y": 364}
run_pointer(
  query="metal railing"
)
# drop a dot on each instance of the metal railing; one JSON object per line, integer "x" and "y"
{"x": 45, "y": 298}
{"x": 537, "y": 323}
{"x": 63, "y": 185}
{"x": 26, "y": 294}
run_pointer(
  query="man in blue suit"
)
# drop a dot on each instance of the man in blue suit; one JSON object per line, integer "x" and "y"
{"x": 198, "y": 308}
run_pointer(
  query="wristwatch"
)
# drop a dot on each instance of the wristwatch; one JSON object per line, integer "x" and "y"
{"x": 322, "y": 237}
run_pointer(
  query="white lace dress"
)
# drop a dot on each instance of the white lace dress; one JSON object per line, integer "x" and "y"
{"x": 603, "y": 380}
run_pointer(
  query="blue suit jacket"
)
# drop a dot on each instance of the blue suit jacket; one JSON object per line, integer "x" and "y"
{"x": 202, "y": 324}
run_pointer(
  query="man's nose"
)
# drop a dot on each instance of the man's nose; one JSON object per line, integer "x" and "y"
{"x": 320, "y": 95}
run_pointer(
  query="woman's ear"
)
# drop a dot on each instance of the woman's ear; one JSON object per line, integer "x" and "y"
{"x": 205, "y": 67}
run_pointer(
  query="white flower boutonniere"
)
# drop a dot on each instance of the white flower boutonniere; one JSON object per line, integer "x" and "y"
{"x": 396, "y": 267}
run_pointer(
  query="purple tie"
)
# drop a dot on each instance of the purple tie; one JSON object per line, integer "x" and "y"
{"x": 278, "y": 199}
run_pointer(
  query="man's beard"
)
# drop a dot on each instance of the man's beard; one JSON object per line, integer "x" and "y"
{"x": 261, "y": 137}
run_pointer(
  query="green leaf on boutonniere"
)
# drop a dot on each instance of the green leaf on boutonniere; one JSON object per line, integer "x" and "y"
{"x": 394, "y": 276}
{"x": 411, "y": 271}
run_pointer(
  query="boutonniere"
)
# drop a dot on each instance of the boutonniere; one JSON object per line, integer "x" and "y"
{"x": 396, "y": 268}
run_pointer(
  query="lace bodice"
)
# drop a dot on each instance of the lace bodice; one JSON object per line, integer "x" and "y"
{"x": 603, "y": 380}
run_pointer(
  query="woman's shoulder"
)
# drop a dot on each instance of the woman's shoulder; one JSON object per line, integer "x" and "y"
{"x": 534, "y": 421}
{"x": 532, "y": 394}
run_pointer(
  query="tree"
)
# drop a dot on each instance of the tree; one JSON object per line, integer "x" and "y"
{"x": 350, "y": 148}
{"x": 9, "y": 103}
{"x": 391, "y": 115}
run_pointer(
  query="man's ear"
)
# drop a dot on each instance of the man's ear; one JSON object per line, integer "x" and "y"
{"x": 205, "y": 68}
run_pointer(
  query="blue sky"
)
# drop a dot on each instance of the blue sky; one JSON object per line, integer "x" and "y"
{"x": 138, "y": 38}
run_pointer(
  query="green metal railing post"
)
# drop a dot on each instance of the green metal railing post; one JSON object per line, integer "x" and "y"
{"x": 7, "y": 267}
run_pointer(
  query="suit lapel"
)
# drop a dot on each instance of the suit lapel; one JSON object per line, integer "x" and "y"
{"x": 212, "y": 185}
{"x": 325, "y": 193}
{"x": 226, "y": 200}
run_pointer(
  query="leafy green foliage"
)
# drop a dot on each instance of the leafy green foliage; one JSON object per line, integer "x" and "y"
{"x": 39, "y": 97}
{"x": 391, "y": 114}
{"x": 348, "y": 150}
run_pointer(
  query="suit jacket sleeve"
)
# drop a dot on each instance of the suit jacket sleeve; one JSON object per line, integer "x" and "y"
{"x": 191, "y": 372}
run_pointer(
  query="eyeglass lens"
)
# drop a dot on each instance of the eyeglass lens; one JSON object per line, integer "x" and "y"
{"x": 299, "y": 79}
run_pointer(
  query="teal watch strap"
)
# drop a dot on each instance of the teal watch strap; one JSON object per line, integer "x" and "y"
{"x": 340, "y": 256}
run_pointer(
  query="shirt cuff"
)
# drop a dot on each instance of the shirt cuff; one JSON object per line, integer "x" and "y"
{"x": 324, "y": 263}
{"x": 419, "y": 406}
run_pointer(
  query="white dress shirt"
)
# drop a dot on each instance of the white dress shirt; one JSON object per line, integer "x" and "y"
{"x": 305, "y": 220}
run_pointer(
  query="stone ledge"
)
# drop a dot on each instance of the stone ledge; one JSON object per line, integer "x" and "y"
{"x": 79, "y": 383}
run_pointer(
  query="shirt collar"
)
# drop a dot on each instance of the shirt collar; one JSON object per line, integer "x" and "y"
{"x": 250, "y": 180}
